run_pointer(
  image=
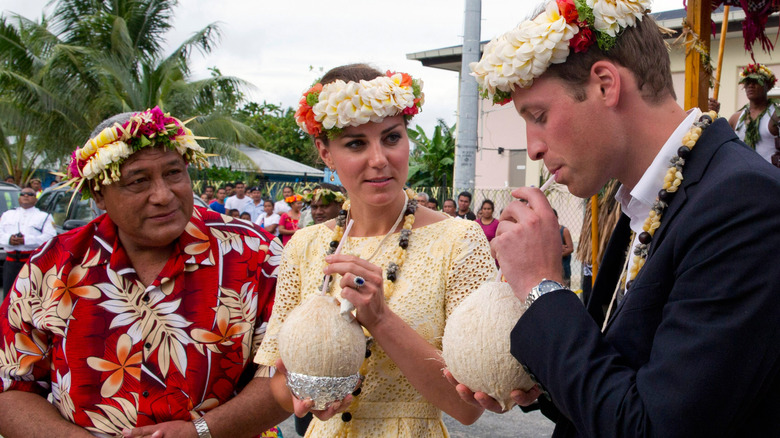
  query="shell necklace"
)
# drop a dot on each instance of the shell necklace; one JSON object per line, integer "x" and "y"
{"x": 672, "y": 181}
{"x": 407, "y": 214}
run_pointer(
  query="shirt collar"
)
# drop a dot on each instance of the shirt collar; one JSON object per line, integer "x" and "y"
{"x": 194, "y": 246}
{"x": 637, "y": 204}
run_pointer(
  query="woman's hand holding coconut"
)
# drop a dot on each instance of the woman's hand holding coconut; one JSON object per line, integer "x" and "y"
{"x": 483, "y": 400}
{"x": 300, "y": 407}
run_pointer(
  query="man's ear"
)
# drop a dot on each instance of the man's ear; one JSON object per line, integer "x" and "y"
{"x": 606, "y": 75}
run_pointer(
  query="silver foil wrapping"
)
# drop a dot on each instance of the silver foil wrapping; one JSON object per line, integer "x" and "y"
{"x": 321, "y": 390}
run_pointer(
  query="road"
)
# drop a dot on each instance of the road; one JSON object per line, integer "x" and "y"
{"x": 514, "y": 424}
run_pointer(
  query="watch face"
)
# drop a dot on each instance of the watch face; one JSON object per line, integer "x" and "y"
{"x": 549, "y": 286}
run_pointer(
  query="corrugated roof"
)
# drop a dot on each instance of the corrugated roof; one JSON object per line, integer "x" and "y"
{"x": 268, "y": 163}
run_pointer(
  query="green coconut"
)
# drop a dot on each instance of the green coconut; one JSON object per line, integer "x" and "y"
{"x": 316, "y": 340}
{"x": 476, "y": 343}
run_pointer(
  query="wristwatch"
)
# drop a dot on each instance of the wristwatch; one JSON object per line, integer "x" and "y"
{"x": 201, "y": 428}
{"x": 542, "y": 288}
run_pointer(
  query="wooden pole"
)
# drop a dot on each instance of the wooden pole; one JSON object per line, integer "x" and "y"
{"x": 594, "y": 235}
{"x": 723, "y": 29}
{"x": 697, "y": 80}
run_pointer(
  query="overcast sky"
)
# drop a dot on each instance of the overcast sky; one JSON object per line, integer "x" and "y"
{"x": 273, "y": 44}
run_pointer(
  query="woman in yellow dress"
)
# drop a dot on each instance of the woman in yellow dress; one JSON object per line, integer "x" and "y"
{"x": 403, "y": 267}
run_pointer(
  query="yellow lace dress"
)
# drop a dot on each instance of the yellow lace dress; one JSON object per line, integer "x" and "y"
{"x": 445, "y": 262}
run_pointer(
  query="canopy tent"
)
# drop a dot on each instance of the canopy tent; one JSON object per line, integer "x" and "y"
{"x": 273, "y": 167}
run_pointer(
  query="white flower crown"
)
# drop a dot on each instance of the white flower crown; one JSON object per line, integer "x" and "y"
{"x": 339, "y": 104}
{"x": 519, "y": 56}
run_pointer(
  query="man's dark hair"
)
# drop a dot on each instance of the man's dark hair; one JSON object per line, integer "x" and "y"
{"x": 639, "y": 48}
{"x": 434, "y": 202}
{"x": 238, "y": 182}
{"x": 466, "y": 194}
{"x": 211, "y": 187}
{"x": 229, "y": 185}
{"x": 450, "y": 200}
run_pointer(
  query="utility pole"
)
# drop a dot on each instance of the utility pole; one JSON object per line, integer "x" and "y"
{"x": 468, "y": 102}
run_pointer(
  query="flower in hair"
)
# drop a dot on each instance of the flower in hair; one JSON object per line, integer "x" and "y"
{"x": 339, "y": 104}
{"x": 523, "y": 54}
{"x": 293, "y": 198}
{"x": 759, "y": 73}
{"x": 101, "y": 157}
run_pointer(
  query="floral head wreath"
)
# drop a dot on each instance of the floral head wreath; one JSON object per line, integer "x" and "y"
{"x": 339, "y": 104}
{"x": 293, "y": 198}
{"x": 100, "y": 158}
{"x": 519, "y": 56}
{"x": 327, "y": 196}
{"x": 759, "y": 73}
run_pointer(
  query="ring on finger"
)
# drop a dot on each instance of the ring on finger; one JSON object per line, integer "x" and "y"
{"x": 358, "y": 281}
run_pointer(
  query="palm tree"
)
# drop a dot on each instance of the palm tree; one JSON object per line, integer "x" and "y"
{"x": 432, "y": 159}
{"x": 61, "y": 77}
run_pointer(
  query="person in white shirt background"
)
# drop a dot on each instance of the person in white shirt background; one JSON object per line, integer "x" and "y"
{"x": 268, "y": 219}
{"x": 22, "y": 230}
{"x": 239, "y": 200}
{"x": 255, "y": 207}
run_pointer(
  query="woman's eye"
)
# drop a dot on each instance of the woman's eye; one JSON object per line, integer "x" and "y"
{"x": 393, "y": 137}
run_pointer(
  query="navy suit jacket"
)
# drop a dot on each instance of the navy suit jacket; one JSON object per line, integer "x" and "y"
{"x": 694, "y": 347}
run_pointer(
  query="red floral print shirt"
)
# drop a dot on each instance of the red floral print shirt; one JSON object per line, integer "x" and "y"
{"x": 80, "y": 325}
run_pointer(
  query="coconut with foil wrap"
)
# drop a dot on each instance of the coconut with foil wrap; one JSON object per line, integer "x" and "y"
{"x": 321, "y": 350}
{"x": 476, "y": 343}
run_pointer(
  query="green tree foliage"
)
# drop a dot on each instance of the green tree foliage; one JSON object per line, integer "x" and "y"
{"x": 62, "y": 75}
{"x": 281, "y": 135}
{"x": 432, "y": 158}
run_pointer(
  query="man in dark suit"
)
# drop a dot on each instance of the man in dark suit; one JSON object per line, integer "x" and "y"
{"x": 682, "y": 338}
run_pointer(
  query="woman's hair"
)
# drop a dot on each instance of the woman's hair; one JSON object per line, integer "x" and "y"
{"x": 489, "y": 202}
{"x": 351, "y": 73}
{"x": 639, "y": 48}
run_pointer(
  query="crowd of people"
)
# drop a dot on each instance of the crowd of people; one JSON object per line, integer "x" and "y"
{"x": 161, "y": 318}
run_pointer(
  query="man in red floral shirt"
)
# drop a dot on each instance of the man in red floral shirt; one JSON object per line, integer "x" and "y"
{"x": 148, "y": 316}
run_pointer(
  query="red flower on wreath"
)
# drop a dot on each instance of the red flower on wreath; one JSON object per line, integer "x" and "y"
{"x": 583, "y": 39}
{"x": 568, "y": 10}
{"x": 305, "y": 115}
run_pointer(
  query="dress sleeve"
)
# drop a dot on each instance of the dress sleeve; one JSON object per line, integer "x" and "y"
{"x": 24, "y": 349}
{"x": 470, "y": 265}
{"x": 288, "y": 296}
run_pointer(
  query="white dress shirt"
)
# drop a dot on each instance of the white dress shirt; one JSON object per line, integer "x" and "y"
{"x": 36, "y": 226}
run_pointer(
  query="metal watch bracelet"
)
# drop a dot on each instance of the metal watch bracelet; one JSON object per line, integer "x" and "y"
{"x": 201, "y": 427}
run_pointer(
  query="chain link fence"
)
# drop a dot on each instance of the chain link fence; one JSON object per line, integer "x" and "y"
{"x": 571, "y": 212}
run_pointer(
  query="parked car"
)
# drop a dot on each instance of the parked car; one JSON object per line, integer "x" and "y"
{"x": 9, "y": 199}
{"x": 68, "y": 215}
